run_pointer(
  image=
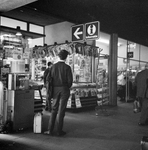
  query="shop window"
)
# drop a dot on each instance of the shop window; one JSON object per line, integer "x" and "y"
{"x": 142, "y": 65}
{"x": 38, "y": 42}
{"x": 36, "y": 28}
{"x": 143, "y": 53}
{"x": 103, "y": 43}
{"x": 12, "y": 23}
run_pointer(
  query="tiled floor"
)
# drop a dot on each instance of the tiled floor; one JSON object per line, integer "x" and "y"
{"x": 115, "y": 130}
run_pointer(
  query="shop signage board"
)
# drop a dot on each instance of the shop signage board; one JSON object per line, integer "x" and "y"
{"x": 92, "y": 30}
{"x": 77, "y": 32}
{"x": 89, "y": 31}
{"x": 130, "y": 54}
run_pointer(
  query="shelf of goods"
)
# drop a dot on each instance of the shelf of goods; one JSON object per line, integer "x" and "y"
{"x": 82, "y": 96}
{"x": 102, "y": 94}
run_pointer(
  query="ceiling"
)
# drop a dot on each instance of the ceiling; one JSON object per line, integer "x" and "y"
{"x": 127, "y": 18}
{"x": 7, "y": 5}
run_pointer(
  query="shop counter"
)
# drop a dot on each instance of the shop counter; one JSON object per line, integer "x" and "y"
{"x": 82, "y": 95}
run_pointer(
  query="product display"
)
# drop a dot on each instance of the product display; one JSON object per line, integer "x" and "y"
{"x": 125, "y": 82}
{"x": 82, "y": 95}
{"x": 102, "y": 81}
{"x": 80, "y": 59}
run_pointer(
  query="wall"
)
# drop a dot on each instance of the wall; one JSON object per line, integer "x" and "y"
{"x": 37, "y": 41}
{"x": 104, "y": 47}
{"x": 61, "y": 32}
{"x": 58, "y": 33}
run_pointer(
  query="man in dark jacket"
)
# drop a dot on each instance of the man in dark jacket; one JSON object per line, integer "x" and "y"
{"x": 142, "y": 93}
{"x": 62, "y": 81}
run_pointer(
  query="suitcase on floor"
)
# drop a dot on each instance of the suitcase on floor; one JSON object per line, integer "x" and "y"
{"x": 144, "y": 143}
{"x": 37, "y": 126}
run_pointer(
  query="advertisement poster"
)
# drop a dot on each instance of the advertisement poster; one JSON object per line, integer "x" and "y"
{"x": 82, "y": 68}
{"x": 4, "y": 73}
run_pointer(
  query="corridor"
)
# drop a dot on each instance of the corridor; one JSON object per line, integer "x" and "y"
{"x": 115, "y": 130}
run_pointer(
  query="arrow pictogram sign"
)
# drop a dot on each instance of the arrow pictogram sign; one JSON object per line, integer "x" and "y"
{"x": 77, "y": 32}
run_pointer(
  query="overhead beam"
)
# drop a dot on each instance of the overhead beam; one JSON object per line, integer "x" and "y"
{"x": 7, "y": 5}
{"x": 24, "y": 33}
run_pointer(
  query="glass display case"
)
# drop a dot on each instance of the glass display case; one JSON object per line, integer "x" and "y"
{"x": 18, "y": 81}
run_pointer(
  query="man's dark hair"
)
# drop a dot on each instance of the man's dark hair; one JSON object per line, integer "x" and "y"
{"x": 63, "y": 54}
{"x": 49, "y": 63}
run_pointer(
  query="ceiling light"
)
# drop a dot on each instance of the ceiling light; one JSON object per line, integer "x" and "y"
{"x": 29, "y": 39}
{"x": 105, "y": 41}
{"x": 132, "y": 45}
{"x": 18, "y": 33}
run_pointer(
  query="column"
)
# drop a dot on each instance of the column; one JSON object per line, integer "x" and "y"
{"x": 113, "y": 54}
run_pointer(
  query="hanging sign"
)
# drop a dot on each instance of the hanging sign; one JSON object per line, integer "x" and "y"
{"x": 130, "y": 54}
{"x": 92, "y": 30}
{"x": 77, "y": 32}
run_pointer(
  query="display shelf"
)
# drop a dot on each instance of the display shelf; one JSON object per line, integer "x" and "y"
{"x": 82, "y": 95}
{"x": 88, "y": 101}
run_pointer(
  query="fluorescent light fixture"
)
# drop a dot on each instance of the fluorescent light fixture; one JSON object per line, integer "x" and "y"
{"x": 105, "y": 41}
{"x": 29, "y": 39}
{"x": 132, "y": 45}
{"x": 9, "y": 46}
{"x": 18, "y": 34}
{"x": 1, "y": 37}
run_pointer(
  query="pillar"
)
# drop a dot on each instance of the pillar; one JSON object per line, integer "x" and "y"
{"x": 113, "y": 50}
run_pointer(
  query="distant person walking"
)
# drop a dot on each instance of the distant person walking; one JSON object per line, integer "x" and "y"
{"x": 62, "y": 81}
{"x": 48, "y": 98}
{"x": 141, "y": 83}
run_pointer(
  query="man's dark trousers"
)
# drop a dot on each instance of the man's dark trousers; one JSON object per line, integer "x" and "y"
{"x": 144, "y": 111}
{"x": 60, "y": 98}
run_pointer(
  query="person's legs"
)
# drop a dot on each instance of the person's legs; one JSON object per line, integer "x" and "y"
{"x": 48, "y": 105}
{"x": 59, "y": 104}
{"x": 144, "y": 111}
{"x": 47, "y": 102}
{"x": 62, "y": 107}
{"x": 121, "y": 92}
{"x": 55, "y": 106}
